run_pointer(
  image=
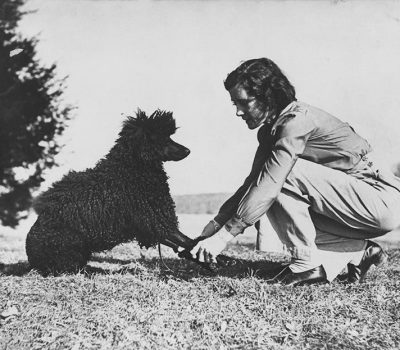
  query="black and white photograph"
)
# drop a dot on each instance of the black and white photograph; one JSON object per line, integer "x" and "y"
{"x": 199, "y": 174}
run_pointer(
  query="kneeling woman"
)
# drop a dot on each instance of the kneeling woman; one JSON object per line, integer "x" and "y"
{"x": 311, "y": 176}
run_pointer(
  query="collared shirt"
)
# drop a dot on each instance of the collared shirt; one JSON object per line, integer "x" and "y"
{"x": 299, "y": 131}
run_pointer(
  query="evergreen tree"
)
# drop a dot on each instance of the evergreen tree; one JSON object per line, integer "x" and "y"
{"x": 32, "y": 116}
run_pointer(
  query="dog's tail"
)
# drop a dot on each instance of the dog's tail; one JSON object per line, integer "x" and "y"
{"x": 40, "y": 203}
{"x": 49, "y": 199}
{"x": 58, "y": 192}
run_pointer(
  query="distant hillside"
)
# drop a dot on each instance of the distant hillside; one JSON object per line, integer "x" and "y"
{"x": 204, "y": 203}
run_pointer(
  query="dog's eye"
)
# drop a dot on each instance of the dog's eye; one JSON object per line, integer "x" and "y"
{"x": 159, "y": 139}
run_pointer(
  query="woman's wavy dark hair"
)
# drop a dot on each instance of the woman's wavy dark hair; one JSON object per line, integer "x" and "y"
{"x": 263, "y": 79}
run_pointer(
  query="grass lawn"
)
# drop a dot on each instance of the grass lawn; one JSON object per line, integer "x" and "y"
{"x": 127, "y": 299}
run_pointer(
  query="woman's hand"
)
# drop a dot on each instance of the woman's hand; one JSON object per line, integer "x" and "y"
{"x": 208, "y": 249}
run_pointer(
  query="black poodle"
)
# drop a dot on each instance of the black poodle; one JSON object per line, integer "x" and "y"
{"x": 124, "y": 197}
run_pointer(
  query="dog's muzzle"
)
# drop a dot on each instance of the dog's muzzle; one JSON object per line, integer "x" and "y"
{"x": 175, "y": 152}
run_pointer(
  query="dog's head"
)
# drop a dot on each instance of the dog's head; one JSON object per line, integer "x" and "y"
{"x": 149, "y": 137}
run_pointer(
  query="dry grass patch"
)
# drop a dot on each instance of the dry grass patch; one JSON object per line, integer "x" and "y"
{"x": 126, "y": 299}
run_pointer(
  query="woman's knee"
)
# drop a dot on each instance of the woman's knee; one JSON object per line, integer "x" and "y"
{"x": 388, "y": 223}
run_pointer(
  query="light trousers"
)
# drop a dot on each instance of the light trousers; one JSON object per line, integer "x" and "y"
{"x": 323, "y": 209}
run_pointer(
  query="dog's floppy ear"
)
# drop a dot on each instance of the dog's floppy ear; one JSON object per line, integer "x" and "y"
{"x": 133, "y": 129}
{"x": 139, "y": 132}
{"x": 138, "y": 135}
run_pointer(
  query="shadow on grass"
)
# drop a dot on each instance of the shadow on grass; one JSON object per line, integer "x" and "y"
{"x": 180, "y": 269}
{"x": 185, "y": 269}
{"x": 20, "y": 268}
{"x": 166, "y": 268}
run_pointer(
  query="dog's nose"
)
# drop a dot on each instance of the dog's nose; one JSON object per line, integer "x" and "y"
{"x": 186, "y": 151}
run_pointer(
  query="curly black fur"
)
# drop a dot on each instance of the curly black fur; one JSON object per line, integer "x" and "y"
{"x": 124, "y": 197}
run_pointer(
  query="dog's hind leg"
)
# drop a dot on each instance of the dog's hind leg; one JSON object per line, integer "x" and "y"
{"x": 54, "y": 249}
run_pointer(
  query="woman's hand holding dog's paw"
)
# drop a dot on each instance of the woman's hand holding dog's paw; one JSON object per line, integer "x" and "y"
{"x": 208, "y": 249}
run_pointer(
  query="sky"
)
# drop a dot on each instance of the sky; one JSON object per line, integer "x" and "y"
{"x": 341, "y": 56}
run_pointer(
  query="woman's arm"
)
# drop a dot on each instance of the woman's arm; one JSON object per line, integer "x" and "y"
{"x": 229, "y": 208}
{"x": 263, "y": 191}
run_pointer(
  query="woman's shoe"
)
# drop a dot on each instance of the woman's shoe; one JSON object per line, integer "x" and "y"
{"x": 289, "y": 278}
{"x": 373, "y": 255}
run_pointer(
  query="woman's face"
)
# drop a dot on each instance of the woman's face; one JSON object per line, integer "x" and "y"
{"x": 248, "y": 107}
